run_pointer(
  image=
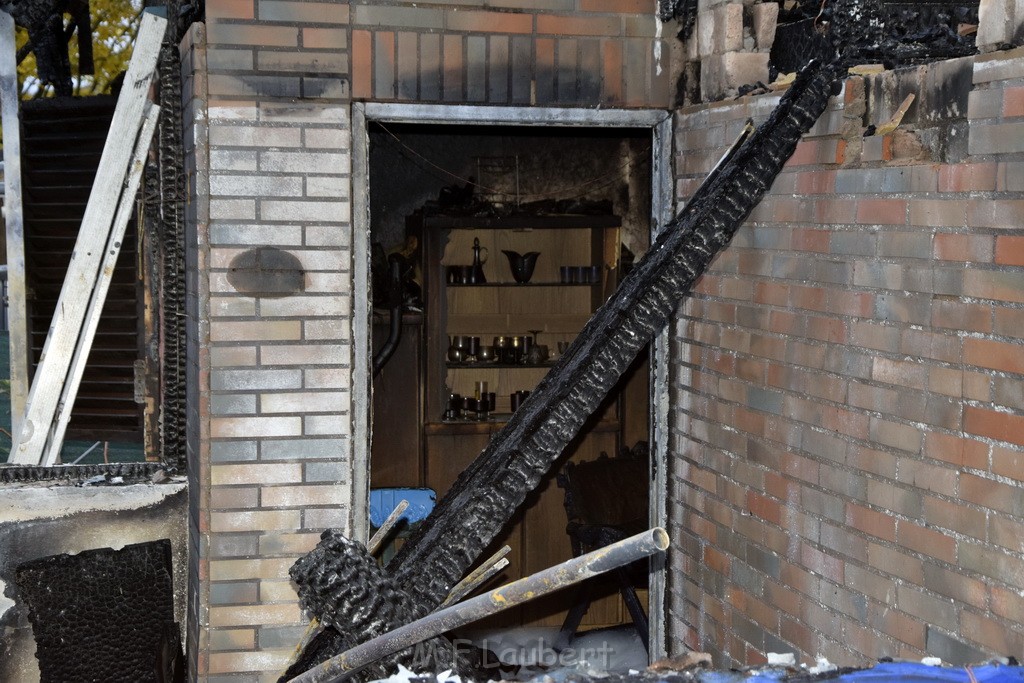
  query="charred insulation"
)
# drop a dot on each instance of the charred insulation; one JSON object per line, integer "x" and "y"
{"x": 104, "y": 615}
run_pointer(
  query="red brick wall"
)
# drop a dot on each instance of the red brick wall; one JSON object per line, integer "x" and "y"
{"x": 848, "y": 384}
{"x": 545, "y": 52}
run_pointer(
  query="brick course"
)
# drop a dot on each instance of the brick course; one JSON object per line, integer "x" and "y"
{"x": 848, "y": 389}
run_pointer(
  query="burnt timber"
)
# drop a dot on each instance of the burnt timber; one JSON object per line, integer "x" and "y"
{"x": 339, "y": 582}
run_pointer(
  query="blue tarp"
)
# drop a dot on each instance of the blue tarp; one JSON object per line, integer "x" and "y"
{"x": 384, "y": 501}
{"x": 884, "y": 672}
{"x": 909, "y": 672}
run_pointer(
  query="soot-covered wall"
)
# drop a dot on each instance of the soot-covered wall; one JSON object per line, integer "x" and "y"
{"x": 409, "y": 165}
{"x": 37, "y": 522}
{"x": 847, "y": 388}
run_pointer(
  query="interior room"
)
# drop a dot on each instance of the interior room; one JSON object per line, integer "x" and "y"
{"x": 551, "y": 217}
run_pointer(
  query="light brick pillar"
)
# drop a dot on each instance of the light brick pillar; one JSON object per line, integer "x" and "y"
{"x": 270, "y": 271}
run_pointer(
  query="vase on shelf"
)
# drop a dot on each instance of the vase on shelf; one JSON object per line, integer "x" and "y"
{"x": 522, "y": 265}
{"x": 477, "y": 277}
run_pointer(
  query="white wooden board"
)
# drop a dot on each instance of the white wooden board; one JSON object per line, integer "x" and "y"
{"x": 83, "y": 271}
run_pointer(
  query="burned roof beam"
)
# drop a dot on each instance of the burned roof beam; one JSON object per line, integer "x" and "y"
{"x": 482, "y": 500}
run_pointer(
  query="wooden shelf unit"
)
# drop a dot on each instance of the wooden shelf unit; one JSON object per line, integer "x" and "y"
{"x": 503, "y": 307}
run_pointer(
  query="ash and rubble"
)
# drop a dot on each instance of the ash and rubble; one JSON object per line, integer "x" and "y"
{"x": 781, "y": 668}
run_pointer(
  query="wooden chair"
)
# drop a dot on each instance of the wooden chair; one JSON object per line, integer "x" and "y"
{"x": 606, "y": 500}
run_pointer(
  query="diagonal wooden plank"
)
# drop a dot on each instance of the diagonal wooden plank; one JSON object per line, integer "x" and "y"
{"x": 17, "y": 305}
{"x": 83, "y": 270}
{"x": 99, "y": 296}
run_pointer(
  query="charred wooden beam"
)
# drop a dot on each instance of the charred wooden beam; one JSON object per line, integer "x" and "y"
{"x": 873, "y": 31}
{"x": 44, "y": 20}
{"x": 339, "y": 582}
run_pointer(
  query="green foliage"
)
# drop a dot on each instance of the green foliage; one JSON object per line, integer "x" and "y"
{"x": 114, "y": 25}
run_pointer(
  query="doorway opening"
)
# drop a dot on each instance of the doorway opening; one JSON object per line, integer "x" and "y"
{"x": 571, "y": 205}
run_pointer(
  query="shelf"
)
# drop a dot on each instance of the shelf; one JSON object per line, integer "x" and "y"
{"x": 525, "y": 284}
{"x": 467, "y": 426}
{"x": 503, "y": 307}
{"x": 497, "y": 366}
{"x": 383, "y": 316}
{"x": 522, "y": 222}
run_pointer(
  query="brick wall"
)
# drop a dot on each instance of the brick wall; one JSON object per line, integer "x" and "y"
{"x": 270, "y": 272}
{"x": 522, "y": 52}
{"x": 730, "y": 47}
{"x": 269, "y": 91}
{"x": 848, "y": 384}
{"x": 546, "y": 52}
{"x": 193, "y": 93}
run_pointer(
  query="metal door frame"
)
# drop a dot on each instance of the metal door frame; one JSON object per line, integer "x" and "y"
{"x": 659, "y": 122}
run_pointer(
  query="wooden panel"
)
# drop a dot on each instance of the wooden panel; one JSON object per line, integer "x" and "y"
{"x": 634, "y": 406}
{"x": 396, "y": 451}
{"x": 447, "y": 456}
{"x": 547, "y": 544}
{"x": 501, "y": 307}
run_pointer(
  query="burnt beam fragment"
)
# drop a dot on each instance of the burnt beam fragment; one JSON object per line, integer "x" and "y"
{"x": 609, "y": 558}
{"x": 356, "y": 601}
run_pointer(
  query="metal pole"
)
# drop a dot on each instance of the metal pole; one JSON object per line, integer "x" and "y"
{"x": 516, "y": 593}
{"x": 17, "y": 301}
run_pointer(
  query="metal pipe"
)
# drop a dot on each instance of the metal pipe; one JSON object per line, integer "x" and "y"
{"x": 395, "y": 295}
{"x": 512, "y": 595}
{"x": 382, "y": 533}
{"x": 87, "y": 452}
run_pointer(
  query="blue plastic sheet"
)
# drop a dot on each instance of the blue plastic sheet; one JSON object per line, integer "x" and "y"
{"x": 884, "y": 672}
{"x": 910, "y": 672}
{"x": 384, "y": 501}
